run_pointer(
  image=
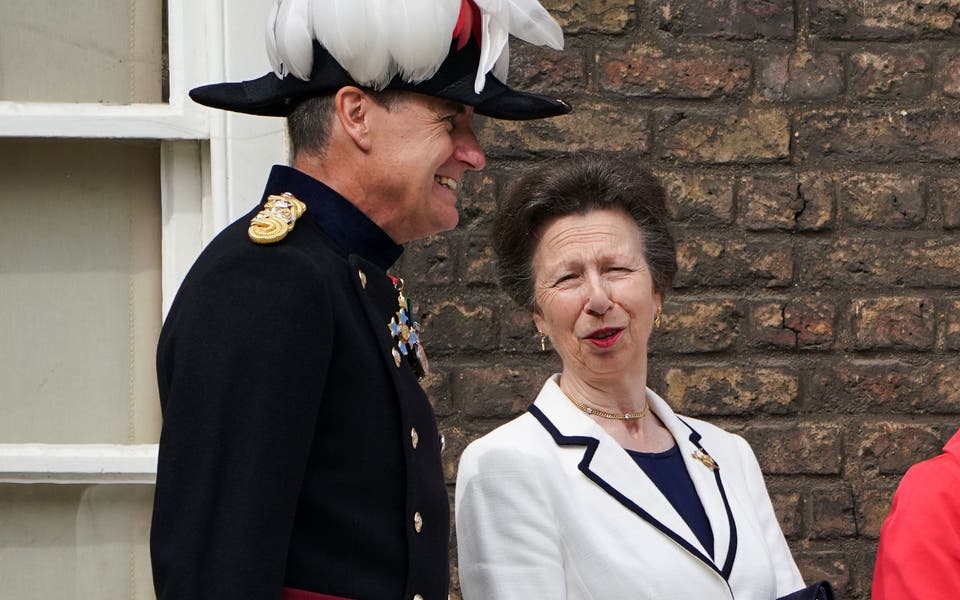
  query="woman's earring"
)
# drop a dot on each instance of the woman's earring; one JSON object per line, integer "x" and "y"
{"x": 656, "y": 319}
{"x": 543, "y": 342}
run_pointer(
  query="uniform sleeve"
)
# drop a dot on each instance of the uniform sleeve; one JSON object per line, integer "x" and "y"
{"x": 508, "y": 543}
{"x": 786, "y": 571}
{"x": 242, "y": 365}
{"x": 919, "y": 552}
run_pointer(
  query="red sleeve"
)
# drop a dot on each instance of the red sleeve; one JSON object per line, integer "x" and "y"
{"x": 919, "y": 553}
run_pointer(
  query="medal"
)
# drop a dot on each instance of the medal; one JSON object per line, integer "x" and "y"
{"x": 406, "y": 333}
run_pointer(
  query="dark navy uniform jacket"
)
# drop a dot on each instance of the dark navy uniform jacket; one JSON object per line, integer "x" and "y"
{"x": 295, "y": 450}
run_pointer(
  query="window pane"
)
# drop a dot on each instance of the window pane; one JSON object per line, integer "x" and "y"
{"x": 73, "y": 541}
{"x": 82, "y": 51}
{"x": 80, "y": 301}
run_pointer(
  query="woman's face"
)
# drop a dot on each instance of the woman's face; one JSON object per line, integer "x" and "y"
{"x": 594, "y": 294}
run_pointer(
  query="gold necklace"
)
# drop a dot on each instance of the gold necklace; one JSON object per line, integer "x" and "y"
{"x": 606, "y": 415}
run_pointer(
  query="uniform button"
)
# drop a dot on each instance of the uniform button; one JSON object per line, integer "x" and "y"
{"x": 417, "y": 522}
{"x": 396, "y": 357}
{"x": 363, "y": 278}
{"x": 414, "y": 437}
{"x": 418, "y": 597}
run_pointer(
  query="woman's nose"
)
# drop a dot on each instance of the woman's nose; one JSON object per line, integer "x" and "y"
{"x": 598, "y": 299}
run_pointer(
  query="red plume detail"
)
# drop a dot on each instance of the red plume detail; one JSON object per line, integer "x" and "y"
{"x": 467, "y": 23}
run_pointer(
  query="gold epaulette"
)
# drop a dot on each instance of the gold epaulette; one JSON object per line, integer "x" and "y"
{"x": 276, "y": 220}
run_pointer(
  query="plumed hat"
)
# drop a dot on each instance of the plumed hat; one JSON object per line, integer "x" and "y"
{"x": 452, "y": 49}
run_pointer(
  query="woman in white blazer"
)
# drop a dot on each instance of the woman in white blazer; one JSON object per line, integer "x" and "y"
{"x": 599, "y": 491}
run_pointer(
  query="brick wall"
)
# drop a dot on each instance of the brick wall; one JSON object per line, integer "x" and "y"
{"x": 811, "y": 149}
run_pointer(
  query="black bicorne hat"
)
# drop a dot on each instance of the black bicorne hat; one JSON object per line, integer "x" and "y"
{"x": 275, "y": 97}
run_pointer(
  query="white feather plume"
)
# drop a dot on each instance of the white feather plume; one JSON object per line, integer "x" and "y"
{"x": 525, "y": 19}
{"x": 419, "y": 34}
{"x": 352, "y": 32}
{"x": 494, "y": 39}
{"x": 376, "y": 39}
{"x": 294, "y": 39}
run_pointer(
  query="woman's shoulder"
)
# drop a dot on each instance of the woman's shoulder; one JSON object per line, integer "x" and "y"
{"x": 508, "y": 445}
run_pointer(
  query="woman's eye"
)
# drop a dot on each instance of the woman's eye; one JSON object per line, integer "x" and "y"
{"x": 567, "y": 277}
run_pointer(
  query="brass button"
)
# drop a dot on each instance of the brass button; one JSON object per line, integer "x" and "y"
{"x": 363, "y": 278}
{"x": 396, "y": 357}
{"x": 414, "y": 437}
{"x": 417, "y": 522}
{"x": 418, "y": 597}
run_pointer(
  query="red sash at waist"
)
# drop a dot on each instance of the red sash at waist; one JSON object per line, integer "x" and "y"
{"x": 295, "y": 594}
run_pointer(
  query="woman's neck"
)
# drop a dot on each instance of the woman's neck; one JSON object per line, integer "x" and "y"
{"x": 646, "y": 434}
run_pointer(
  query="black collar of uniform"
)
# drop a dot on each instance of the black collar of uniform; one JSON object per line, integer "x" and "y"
{"x": 343, "y": 222}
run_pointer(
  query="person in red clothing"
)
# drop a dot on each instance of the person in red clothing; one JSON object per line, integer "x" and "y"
{"x": 919, "y": 554}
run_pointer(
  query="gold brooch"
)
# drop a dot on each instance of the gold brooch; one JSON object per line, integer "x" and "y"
{"x": 276, "y": 220}
{"x": 706, "y": 459}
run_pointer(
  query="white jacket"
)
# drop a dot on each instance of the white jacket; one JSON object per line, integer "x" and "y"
{"x": 549, "y": 506}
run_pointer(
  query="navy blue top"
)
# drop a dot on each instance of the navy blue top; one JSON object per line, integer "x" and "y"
{"x": 343, "y": 222}
{"x": 669, "y": 474}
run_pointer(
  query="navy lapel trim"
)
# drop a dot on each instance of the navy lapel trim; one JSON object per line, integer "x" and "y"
{"x": 584, "y": 466}
{"x": 732, "y": 548}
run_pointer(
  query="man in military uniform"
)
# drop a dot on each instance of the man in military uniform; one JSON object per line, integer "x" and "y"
{"x": 299, "y": 457}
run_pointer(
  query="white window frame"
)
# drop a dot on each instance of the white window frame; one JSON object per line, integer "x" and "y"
{"x": 213, "y": 167}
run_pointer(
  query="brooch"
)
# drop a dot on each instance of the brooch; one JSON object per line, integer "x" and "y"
{"x": 276, "y": 220}
{"x": 706, "y": 459}
{"x": 406, "y": 334}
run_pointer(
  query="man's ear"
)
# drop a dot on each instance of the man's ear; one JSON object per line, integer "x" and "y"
{"x": 353, "y": 106}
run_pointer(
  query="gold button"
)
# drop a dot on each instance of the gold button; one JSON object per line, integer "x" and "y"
{"x": 414, "y": 437}
{"x": 363, "y": 279}
{"x": 396, "y": 357}
{"x": 418, "y": 597}
{"x": 417, "y": 522}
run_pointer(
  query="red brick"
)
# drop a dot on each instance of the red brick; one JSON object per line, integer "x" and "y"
{"x": 884, "y": 19}
{"x": 832, "y": 512}
{"x": 698, "y": 199}
{"x": 428, "y": 262}
{"x": 591, "y": 126}
{"x": 892, "y": 75}
{"x": 798, "y": 448}
{"x": 947, "y": 191}
{"x": 786, "y": 202}
{"x": 882, "y": 200}
{"x": 498, "y": 391}
{"x": 855, "y": 261}
{"x": 831, "y": 566}
{"x": 479, "y": 263}
{"x": 806, "y": 324}
{"x": 547, "y": 71}
{"x": 722, "y": 263}
{"x": 888, "y": 136}
{"x": 873, "y": 506}
{"x": 888, "y": 323}
{"x": 691, "y": 326}
{"x": 801, "y": 76}
{"x": 730, "y": 390}
{"x": 725, "y": 19}
{"x": 892, "y": 448}
{"x": 649, "y": 72}
{"x": 437, "y": 386}
{"x": 949, "y": 78}
{"x": 953, "y": 326}
{"x": 886, "y": 385}
{"x": 604, "y": 16}
{"x": 754, "y": 136}
{"x": 452, "y": 322}
{"x": 786, "y": 505}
